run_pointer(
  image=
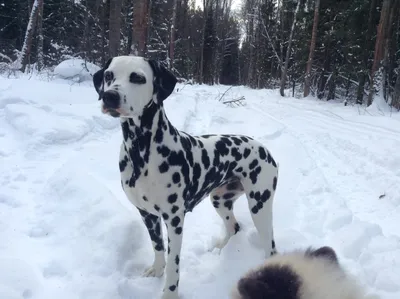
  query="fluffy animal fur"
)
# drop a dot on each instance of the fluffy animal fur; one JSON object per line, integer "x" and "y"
{"x": 165, "y": 173}
{"x": 310, "y": 274}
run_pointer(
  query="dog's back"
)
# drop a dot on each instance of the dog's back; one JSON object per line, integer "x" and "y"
{"x": 310, "y": 274}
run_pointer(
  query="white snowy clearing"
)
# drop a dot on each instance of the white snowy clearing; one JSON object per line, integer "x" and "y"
{"x": 67, "y": 230}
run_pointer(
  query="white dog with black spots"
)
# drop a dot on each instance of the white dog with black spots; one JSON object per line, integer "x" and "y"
{"x": 165, "y": 172}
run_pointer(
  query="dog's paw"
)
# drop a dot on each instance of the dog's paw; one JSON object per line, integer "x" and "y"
{"x": 154, "y": 271}
{"x": 220, "y": 243}
{"x": 167, "y": 294}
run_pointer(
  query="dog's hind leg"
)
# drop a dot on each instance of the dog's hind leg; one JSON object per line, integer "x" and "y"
{"x": 223, "y": 199}
{"x": 260, "y": 200}
{"x": 153, "y": 224}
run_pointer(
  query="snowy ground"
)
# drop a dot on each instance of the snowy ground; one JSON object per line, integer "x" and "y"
{"x": 67, "y": 230}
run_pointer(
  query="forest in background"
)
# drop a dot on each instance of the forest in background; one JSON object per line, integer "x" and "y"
{"x": 333, "y": 49}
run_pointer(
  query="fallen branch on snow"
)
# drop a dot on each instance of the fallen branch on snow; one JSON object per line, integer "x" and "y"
{"x": 237, "y": 102}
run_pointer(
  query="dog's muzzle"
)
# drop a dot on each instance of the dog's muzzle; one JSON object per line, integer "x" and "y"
{"x": 111, "y": 103}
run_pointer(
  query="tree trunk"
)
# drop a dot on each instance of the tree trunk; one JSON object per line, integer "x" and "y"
{"x": 114, "y": 27}
{"x": 396, "y": 94}
{"x": 388, "y": 52}
{"x": 172, "y": 35}
{"x": 367, "y": 43}
{"x": 205, "y": 4}
{"x": 140, "y": 27}
{"x": 379, "y": 45}
{"x": 288, "y": 50}
{"x": 40, "y": 62}
{"x": 307, "y": 82}
{"x": 24, "y": 55}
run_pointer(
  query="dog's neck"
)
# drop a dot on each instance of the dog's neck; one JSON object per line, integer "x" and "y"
{"x": 152, "y": 127}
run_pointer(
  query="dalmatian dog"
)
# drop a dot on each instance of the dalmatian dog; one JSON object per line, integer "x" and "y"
{"x": 165, "y": 172}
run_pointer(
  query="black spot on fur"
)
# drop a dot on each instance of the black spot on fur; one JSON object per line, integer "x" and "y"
{"x": 222, "y": 148}
{"x": 123, "y": 163}
{"x": 234, "y": 186}
{"x": 215, "y": 204}
{"x": 216, "y": 197}
{"x": 253, "y": 164}
{"x": 205, "y": 159}
{"x": 177, "y": 259}
{"x": 163, "y": 167}
{"x": 275, "y": 182}
{"x": 246, "y": 152}
{"x": 145, "y": 198}
{"x": 236, "y": 154}
{"x": 163, "y": 150}
{"x": 271, "y": 160}
{"x": 176, "y": 177}
{"x": 152, "y": 223}
{"x": 172, "y": 198}
{"x": 174, "y": 209}
{"x": 175, "y": 221}
{"x": 237, "y": 141}
{"x": 226, "y": 141}
{"x": 178, "y": 230}
{"x": 172, "y": 288}
{"x": 158, "y": 138}
{"x": 228, "y": 204}
{"x": 229, "y": 195}
{"x": 254, "y": 174}
{"x": 262, "y": 153}
{"x": 165, "y": 216}
{"x": 266, "y": 195}
{"x": 157, "y": 208}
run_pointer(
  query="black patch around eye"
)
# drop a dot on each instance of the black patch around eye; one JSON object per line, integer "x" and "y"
{"x": 136, "y": 78}
{"x": 108, "y": 76}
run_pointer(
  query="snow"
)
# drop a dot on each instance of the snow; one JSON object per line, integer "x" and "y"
{"x": 76, "y": 68}
{"x": 68, "y": 231}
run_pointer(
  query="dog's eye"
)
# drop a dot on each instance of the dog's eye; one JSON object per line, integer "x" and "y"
{"x": 136, "y": 78}
{"x": 108, "y": 76}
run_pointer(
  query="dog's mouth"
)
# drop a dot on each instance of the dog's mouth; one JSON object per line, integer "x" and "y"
{"x": 114, "y": 112}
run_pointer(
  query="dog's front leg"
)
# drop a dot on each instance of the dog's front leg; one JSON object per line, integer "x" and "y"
{"x": 175, "y": 234}
{"x": 153, "y": 224}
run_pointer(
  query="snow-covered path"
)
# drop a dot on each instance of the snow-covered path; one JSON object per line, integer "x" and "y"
{"x": 68, "y": 231}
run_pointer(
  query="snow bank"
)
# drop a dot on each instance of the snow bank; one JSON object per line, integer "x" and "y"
{"x": 68, "y": 231}
{"x": 76, "y": 69}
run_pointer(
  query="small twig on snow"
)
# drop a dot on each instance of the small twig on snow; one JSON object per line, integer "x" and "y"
{"x": 219, "y": 100}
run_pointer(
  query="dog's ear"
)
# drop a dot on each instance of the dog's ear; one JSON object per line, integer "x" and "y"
{"x": 325, "y": 252}
{"x": 99, "y": 75}
{"x": 164, "y": 80}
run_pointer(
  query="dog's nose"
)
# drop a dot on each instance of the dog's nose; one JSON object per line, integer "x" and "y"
{"x": 111, "y": 99}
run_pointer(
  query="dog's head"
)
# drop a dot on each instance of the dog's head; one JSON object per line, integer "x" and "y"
{"x": 127, "y": 84}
